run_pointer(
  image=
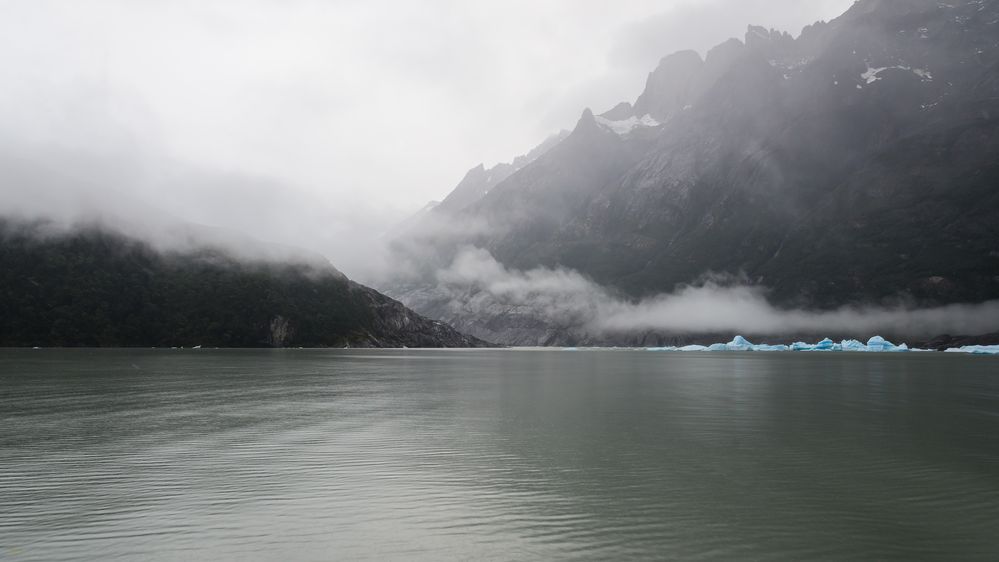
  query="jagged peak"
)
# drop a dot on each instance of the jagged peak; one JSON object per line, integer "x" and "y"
{"x": 476, "y": 171}
{"x": 586, "y": 120}
{"x": 619, "y": 112}
{"x": 684, "y": 62}
{"x": 667, "y": 85}
{"x": 754, "y": 32}
{"x": 758, "y": 36}
{"x": 687, "y": 56}
{"x": 587, "y": 125}
{"x": 724, "y": 51}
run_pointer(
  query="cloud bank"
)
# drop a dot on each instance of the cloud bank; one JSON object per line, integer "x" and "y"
{"x": 315, "y": 123}
{"x": 475, "y": 281}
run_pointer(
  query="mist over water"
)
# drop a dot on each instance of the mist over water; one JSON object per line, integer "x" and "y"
{"x": 476, "y": 282}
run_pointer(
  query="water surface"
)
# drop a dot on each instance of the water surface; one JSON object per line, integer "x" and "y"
{"x": 496, "y": 454}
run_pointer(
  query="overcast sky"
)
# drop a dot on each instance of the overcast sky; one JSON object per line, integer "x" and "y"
{"x": 281, "y": 117}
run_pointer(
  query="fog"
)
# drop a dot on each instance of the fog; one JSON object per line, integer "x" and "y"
{"x": 313, "y": 124}
{"x": 322, "y": 125}
{"x": 479, "y": 285}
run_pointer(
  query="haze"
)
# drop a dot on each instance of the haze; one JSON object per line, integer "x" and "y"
{"x": 317, "y": 124}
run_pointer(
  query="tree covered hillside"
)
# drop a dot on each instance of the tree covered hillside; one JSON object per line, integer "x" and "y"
{"x": 92, "y": 287}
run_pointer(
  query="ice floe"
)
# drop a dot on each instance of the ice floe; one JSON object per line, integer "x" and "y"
{"x": 877, "y": 344}
{"x": 976, "y": 349}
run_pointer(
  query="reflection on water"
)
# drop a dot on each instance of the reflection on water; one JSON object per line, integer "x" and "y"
{"x": 300, "y": 454}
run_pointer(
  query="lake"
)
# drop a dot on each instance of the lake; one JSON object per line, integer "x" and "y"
{"x": 496, "y": 454}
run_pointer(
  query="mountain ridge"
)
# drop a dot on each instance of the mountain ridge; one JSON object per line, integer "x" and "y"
{"x": 852, "y": 164}
{"x": 94, "y": 286}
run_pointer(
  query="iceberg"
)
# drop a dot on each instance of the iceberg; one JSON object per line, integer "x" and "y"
{"x": 740, "y": 343}
{"x": 876, "y": 344}
{"x": 675, "y": 349}
{"x": 824, "y": 345}
{"x": 771, "y": 348}
{"x": 852, "y": 345}
{"x": 975, "y": 349}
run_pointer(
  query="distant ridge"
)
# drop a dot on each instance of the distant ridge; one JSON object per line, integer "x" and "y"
{"x": 96, "y": 287}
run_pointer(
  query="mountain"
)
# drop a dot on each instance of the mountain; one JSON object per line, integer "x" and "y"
{"x": 479, "y": 180}
{"x": 853, "y": 164}
{"x": 93, "y": 286}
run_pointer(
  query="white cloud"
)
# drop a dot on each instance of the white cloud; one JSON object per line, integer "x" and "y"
{"x": 479, "y": 286}
{"x": 357, "y": 107}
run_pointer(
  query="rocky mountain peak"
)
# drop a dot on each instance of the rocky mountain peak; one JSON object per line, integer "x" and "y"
{"x": 586, "y": 126}
{"x": 667, "y": 89}
{"x": 759, "y": 37}
{"x": 855, "y": 164}
{"x": 619, "y": 112}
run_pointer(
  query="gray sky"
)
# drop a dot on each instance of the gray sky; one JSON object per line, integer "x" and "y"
{"x": 307, "y": 122}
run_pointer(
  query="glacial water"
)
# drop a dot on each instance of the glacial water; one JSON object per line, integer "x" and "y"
{"x": 497, "y": 454}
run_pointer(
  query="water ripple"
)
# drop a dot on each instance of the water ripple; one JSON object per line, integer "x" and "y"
{"x": 311, "y": 455}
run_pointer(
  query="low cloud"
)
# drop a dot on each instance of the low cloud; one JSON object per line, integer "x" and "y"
{"x": 476, "y": 283}
{"x": 177, "y": 207}
{"x": 713, "y": 308}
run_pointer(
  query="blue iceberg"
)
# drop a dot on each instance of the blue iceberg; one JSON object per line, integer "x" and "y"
{"x": 877, "y": 344}
{"x": 976, "y": 349}
{"x": 853, "y": 345}
{"x": 764, "y": 347}
{"x": 824, "y": 345}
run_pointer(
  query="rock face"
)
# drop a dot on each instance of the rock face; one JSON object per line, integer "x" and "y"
{"x": 92, "y": 287}
{"x": 856, "y": 163}
{"x": 479, "y": 181}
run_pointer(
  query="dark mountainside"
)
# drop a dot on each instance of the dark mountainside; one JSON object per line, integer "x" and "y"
{"x": 855, "y": 164}
{"x": 94, "y": 287}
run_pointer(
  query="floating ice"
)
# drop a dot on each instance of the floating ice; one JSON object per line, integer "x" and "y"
{"x": 877, "y": 344}
{"x": 852, "y": 345}
{"x": 739, "y": 343}
{"x": 976, "y": 349}
{"x": 764, "y": 347}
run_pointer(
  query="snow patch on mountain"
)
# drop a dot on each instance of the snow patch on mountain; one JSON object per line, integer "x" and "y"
{"x": 872, "y": 75}
{"x": 626, "y": 126}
